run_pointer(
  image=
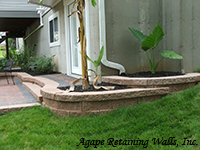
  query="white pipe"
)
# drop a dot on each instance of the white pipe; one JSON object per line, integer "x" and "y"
{"x": 40, "y": 11}
{"x": 102, "y": 24}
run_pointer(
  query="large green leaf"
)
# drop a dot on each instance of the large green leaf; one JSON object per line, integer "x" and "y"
{"x": 171, "y": 55}
{"x": 137, "y": 34}
{"x": 94, "y": 3}
{"x": 153, "y": 39}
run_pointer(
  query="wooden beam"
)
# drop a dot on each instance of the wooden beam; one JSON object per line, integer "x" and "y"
{"x": 7, "y": 47}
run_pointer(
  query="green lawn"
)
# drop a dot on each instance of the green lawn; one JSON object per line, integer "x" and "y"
{"x": 166, "y": 122}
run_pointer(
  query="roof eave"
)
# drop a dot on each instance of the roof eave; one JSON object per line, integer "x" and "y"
{"x": 52, "y": 2}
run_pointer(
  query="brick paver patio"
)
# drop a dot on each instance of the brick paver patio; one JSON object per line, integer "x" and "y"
{"x": 15, "y": 97}
{"x": 16, "y": 94}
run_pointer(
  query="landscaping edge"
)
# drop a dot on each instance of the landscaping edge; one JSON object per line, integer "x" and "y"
{"x": 82, "y": 103}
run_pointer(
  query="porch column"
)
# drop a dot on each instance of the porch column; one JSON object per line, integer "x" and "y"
{"x": 7, "y": 46}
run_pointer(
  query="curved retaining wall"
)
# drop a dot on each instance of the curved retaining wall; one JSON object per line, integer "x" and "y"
{"x": 175, "y": 83}
{"x": 81, "y": 103}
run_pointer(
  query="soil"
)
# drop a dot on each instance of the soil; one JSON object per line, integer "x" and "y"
{"x": 148, "y": 74}
{"x": 33, "y": 73}
{"x": 78, "y": 88}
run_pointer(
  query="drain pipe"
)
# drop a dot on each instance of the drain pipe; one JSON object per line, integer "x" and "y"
{"x": 40, "y": 11}
{"x": 102, "y": 24}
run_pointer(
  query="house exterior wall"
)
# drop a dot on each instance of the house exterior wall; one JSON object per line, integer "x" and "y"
{"x": 180, "y": 21}
{"x": 41, "y": 39}
{"x": 122, "y": 47}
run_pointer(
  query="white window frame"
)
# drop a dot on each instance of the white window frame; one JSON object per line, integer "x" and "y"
{"x": 52, "y": 17}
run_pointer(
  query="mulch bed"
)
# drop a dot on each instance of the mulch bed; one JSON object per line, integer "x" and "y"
{"x": 148, "y": 74}
{"x": 33, "y": 73}
{"x": 78, "y": 88}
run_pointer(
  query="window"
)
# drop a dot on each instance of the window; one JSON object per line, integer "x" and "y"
{"x": 54, "y": 36}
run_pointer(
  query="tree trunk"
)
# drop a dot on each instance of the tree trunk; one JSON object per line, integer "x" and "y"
{"x": 80, "y": 8}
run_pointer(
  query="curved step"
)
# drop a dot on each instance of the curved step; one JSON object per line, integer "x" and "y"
{"x": 34, "y": 89}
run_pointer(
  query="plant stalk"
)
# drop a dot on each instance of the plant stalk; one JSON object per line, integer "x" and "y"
{"x": 80, "y": 8}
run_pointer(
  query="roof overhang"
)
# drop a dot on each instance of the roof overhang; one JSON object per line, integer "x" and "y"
{"x": 16, "y": 16}
{"x": 47, "y": 3}
{"x": 16, "y": 26}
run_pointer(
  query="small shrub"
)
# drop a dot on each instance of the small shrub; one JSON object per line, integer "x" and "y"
{"x": 41, "y": 64}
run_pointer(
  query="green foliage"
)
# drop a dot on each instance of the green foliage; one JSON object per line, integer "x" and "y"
{"x": 171, "y": 55}
{"x": 12, "y": 53}
{"x": 94, "y": 3}
{"x": 152, "y": 41}
{"x": 138, "y": 35}
{"x": 41, "y": 1}
{"x": 41, "y": 64}
{"x": 23, "y": 57}
{"x": 12, "y": 43}
{"x": 27, "y": 61}
{"x": 12, "y": 49}
{"x": 2, "y": 64}
{"x": 2, "y": 52}
{"x": 198, "y": 70}
{"x": 97, "y": 62}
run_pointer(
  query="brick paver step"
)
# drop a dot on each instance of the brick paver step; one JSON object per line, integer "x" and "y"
{"x": 34, "y": 89}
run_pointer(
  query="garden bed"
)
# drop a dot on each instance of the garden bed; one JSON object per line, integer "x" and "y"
{"x": 175, "y": 83}
{"x": 78, "y": 88}
{"x": 34, "y": 73}
{"x": 149, "y": 74}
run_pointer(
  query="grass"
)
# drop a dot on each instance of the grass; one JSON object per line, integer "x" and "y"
{"x": 176, "y": 115}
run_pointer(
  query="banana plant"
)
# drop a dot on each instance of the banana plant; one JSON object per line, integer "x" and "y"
{"x": 96, "y": 64}
{"x": 151, "y": 42}
{"x": 82, "y": 38}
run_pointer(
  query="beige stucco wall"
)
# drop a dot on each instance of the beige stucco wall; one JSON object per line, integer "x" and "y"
{"x": 41, "y": 39}
{"x": 122, "y": 47}
{"x": 180, "y": 21}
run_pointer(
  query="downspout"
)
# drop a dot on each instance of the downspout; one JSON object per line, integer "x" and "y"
{"x": 102, "y": 25}
{"x": 40, "y": 11}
